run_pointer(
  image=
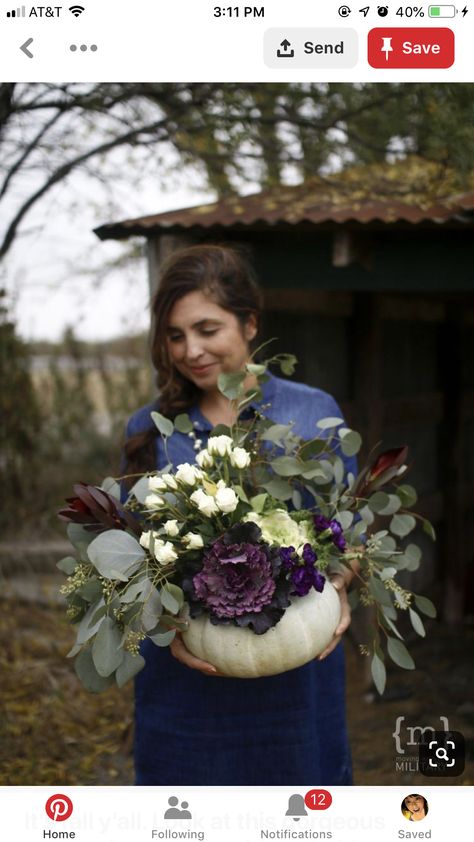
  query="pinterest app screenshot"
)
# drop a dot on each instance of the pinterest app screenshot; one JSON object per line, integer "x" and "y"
{"x": 236, "y": 421}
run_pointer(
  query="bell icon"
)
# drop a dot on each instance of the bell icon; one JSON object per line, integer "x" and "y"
{"x": 296, "y": 807}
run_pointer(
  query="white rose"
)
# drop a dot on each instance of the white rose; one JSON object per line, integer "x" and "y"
{"x": 204, "y": 459}
{"x": 156, "y": 484}
{"x": 145, "y": 539}
{"x": 222, "y": 445}
{"x": 188, "y": 474}
{"x": 226, "y": 499}
{"x": 154, "y": 501}
{"x": 169, "y": 481}
{"x": 193, "y": 541}
{"x": 205, "y": 503}
{"x": 171, "y": 528}
{"x": 240, "y": 458}
{"x": 166, "y": 553}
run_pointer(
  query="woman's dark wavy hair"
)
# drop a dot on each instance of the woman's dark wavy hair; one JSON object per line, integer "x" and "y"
{"x": 224, "y": 274}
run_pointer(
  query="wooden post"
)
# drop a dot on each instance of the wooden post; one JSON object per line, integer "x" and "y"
{"x": 452, "y": 466}
{"x": 158, "y": 249}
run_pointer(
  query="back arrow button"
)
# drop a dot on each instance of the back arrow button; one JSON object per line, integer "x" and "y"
{"x": 24, "y": 48}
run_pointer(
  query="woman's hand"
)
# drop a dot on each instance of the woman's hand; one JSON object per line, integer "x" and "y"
{"x": 339, "y": 582}
{"x": 183, "y": 655}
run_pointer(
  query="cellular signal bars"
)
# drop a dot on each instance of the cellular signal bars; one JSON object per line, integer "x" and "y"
{"x": 17, "y": 13}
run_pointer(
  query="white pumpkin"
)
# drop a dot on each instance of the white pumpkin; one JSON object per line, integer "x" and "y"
{"x": 303, "y": 632}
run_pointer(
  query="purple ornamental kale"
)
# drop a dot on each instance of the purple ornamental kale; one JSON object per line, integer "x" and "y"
{"x": 322, "y": 523}
{"x": 304, "y": 574}
{"x": 235, "y": 579}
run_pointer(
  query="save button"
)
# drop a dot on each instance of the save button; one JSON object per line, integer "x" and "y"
{"x": 410, "y": 47}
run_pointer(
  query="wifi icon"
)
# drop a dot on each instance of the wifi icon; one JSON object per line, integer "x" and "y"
{"x": 76, "y": 10}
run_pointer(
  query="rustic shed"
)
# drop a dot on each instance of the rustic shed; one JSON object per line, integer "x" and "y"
{"x": 369, "y": 279}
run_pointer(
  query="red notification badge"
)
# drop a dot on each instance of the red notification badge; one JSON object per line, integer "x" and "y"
{"x": 318, "y": 799}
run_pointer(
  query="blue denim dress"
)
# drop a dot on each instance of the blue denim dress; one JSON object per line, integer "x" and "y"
{"x": 289, "y": 729}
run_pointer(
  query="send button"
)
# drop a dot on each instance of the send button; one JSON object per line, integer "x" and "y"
{"x": 301, "y": 48}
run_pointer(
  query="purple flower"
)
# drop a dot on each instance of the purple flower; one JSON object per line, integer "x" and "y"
{"x": 235, "y": 579}
{"x": 322, "y": 523}
{"x": 304, "y": 574}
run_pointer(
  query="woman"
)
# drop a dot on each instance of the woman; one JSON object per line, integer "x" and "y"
{"x": 414, "y": 807}
{"x": 192, "y": 725}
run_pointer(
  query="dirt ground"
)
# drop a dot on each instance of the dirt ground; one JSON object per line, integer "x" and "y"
{"x": 52, "y": 731}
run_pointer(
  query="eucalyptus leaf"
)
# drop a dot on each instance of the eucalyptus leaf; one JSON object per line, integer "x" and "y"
{"x": 378, "y": 501}
{"x": 401, "y": 525}
{"x": 287, "y": 466}
{"x": 258, "y": 502}
{"x": 165, "y": 426}
{"x": 140, "y": 490}
{"x": 378, "y": 591}
{"x": 428, "y": 528}
{"x": 407, "y": 495}
{"x": 88, "y": 675}
{"x": 256, "y": 368}
{"x": 425, "y": 606}
{"x": 388, "y": 621}
{"x": 379, "y": 673}
{"x": 232, "y": 384}
{"x": 152, "y": 609}
{"x": 116, "y": 554}
{"x": 287, "y": 364}
{"x": 136, "y": 591}
{"x": 279, "y": 488}
{"x": 74, "y": 651}
{"x": 389, "y": 611}
{"x": 297, "y": 499}
{"x": 351, "y": 441}
{"x": 111, "y": 486}
{"x": 367, "y": 515}
{"x": 183, "y": 423}
{"x": 67, "y": 565}
{"x": 241, "y": 493}
{"x": 345, "y": 519}
{"x": 417, "y": 622}
{"x": 400, "y": 654}
{"x": 329, "y": 423}
{"x": 91, "y": 590}
{"x": 85, "y": 630}
{"x": 276, "y": 433}
{"x": 392, "y": 506}
{"x": 130, "y": 666}
{"x": 172, "y": 598}
{"x": 412, "y": 557}
{"x": 387, "y": 573}
{"x": 163, "y": 639}
{"x": 106, "y": 652}
{"x": 79, "y": 536}
{"x": 339, "y": 470}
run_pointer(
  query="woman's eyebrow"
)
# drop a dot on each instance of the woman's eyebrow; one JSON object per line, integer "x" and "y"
{"x": 200, "y": 323}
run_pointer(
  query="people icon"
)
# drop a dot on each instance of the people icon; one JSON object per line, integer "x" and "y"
{"x": 414, "y": 807}
{"x": 174, "y": 812}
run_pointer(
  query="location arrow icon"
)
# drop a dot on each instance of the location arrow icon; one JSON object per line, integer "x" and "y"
{"x": 24, "y": 48}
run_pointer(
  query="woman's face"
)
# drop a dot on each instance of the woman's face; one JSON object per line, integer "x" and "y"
{"x": 204, "y": 340}
{"x": 414, "y": 803}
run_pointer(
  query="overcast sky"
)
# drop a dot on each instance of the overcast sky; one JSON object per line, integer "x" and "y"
{"x": 48, "y": 273}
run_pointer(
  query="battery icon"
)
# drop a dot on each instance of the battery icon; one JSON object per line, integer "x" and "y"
{"x": 442, "y": 11}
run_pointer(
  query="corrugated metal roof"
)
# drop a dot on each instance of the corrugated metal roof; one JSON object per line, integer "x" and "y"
{"x": 380, "y": 193}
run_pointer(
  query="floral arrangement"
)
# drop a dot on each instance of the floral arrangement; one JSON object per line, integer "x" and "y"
{"x": 259, "y": 520}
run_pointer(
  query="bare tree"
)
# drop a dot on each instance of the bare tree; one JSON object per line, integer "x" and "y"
{"x": 232, "y": 132}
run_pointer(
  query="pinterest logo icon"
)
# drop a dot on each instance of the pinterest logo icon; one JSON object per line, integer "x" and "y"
{"x": 59, "y": 808}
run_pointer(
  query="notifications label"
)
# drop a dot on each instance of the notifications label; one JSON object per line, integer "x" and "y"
{"x": 416, "y": 48}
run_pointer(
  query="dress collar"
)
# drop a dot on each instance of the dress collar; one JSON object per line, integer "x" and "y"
{"x": 203, "y": 424}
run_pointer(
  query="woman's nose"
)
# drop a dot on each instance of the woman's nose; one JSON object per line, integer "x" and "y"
{"x": 193, "y": 348}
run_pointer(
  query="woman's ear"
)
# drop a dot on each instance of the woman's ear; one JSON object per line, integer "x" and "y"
{"x": 251, "y": 327}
